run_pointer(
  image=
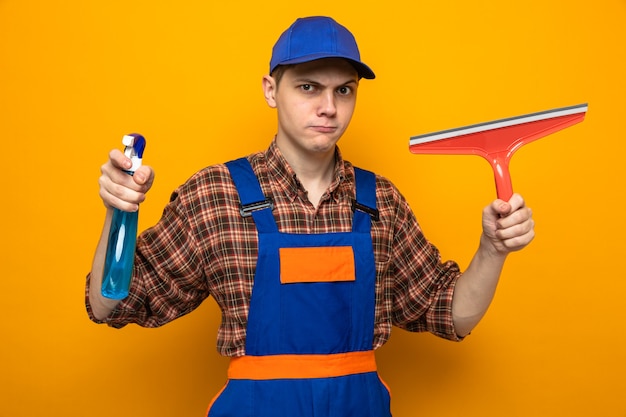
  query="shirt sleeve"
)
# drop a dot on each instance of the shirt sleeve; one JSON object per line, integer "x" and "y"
{"x": 423, "y": 284}
{"x": 168, "y": 279}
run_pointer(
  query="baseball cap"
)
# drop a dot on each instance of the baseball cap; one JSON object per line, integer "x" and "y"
{"x": 317, "y": 37}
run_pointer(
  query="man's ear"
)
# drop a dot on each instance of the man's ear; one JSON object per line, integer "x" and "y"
{"x": 269, "y": 90}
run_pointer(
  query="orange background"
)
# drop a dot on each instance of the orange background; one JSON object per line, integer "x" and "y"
{"x": 77, "y": 75}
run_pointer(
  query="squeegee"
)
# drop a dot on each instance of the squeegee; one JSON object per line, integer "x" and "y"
{"x": 496, "y": 141}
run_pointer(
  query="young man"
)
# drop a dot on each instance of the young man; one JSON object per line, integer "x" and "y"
{"x": 310, "y": 259}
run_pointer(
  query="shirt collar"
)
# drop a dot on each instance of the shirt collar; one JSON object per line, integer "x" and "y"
{"x": 284, "y": 176}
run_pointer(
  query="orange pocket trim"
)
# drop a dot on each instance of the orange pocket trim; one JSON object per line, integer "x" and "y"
{"x": 301, "y": 366}
{"x": 215, "y": 399}
{"x": 317, "y": 264}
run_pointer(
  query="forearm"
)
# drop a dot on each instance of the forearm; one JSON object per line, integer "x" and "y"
{"x": 476, "y": 288}
{"x": 507, "y": 227}
{"x": 101, "y": 306}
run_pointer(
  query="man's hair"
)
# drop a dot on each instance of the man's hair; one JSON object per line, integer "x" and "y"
{"x": 279, "y": 71}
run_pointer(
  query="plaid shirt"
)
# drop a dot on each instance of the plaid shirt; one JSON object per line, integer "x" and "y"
{"x": 203, "y": 247}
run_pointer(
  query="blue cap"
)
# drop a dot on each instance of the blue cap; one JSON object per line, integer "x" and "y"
{"x": 311, "y": 38}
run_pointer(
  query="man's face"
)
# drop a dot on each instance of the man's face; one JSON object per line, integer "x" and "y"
{"x": 315, "y": 102}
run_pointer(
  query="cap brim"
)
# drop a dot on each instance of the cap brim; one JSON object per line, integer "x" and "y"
{"x": 363, "y": 70}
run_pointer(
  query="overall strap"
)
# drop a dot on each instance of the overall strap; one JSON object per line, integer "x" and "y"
{"x": 364, "y": 206}
{"x": 253, "y": 201}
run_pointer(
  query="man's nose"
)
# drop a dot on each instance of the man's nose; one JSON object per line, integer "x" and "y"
{"x": 327, "y": 104}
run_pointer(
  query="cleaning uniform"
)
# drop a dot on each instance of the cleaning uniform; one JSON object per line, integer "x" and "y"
{"x": 311, "y": 320}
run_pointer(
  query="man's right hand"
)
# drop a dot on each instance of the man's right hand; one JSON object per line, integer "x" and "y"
{"x": 120, "y": 190}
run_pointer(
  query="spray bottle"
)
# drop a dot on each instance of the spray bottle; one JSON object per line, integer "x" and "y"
{"x": 120, "y": 254}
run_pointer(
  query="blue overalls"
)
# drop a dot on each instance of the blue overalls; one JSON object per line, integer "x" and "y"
{"x": 311, "y": 319}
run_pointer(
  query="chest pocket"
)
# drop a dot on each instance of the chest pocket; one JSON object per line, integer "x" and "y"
{"x": 317, "y": 264}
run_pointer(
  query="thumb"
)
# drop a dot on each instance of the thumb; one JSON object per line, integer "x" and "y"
{"x": 144, "y": 175}
{"x": 501, "y": 207}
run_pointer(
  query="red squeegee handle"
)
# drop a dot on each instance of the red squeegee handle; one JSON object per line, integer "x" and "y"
{"x": 500, "y": 165}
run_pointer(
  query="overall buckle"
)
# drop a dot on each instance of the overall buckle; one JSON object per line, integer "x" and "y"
{"x": 247, "y": 209}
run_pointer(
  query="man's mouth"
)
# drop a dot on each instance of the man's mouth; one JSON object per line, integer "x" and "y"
{"x": 324, "y": 129}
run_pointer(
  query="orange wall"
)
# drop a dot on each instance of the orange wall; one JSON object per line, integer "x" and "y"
{"x": 77, "y": 75}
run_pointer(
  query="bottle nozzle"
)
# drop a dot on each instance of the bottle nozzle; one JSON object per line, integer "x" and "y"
{"x": 134, "y": 145}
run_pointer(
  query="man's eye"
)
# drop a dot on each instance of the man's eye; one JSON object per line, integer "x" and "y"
{"x": 306, "y": 87}
{"x": 344, "y": 90}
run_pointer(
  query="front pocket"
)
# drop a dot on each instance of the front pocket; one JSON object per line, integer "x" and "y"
{"x": 234, "y": 399}
{"x": 208, "y": 410}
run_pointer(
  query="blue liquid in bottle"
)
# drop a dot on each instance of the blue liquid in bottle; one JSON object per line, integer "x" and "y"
{"x": 118, "y": 266}
{"x": 120, "y": 254}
